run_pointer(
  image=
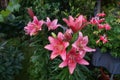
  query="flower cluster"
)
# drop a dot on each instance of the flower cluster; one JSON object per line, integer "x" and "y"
{"x": 59, "y": 43}
{"x": 33, "y": 27}
{"x": 71, "y": 45}
{"x": 99, "y": 21}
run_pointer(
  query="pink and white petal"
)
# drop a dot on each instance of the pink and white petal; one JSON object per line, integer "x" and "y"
{"x": 29, "y": 23}
{"x": 82, "y": 61}
{"x": 80, "y": 34}
{"x": 75, "y": 45}
{"x": 48, "y": 28}
{"x": 51, "y": 39}
{"x": 58, "y": 25}
{"x": 26, "y": 27}
{"x": 60, "y": 36}
{"x": 55, "y": 27}
{"x": 49, "y": 47}
{"x": 63, "y": 64}
{"x": 35, "y": 20}
{"x": 71, "y": 67}
{"x": 66, "y": 44}
{"x": 33, "y": 32}
{"x": 79, "y": 21}
{"x": 53, "y": 55}
{"x": 48, "y": 19}
{"x": 85, "y": 40}
{"x": 66, "y": 21}
{"x": 54, "y": 22}
{"x": 71, "y": 19}
{"x": 88, "y": 49}
{"x": 41, "y": 22}
{"x": 63, "y": 55}
{"x": 82, "y": 53}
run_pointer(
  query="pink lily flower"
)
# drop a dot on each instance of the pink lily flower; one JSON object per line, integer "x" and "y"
{"x": 33, "y": 27}
{"x": 107, "y": 26}
{"x": 100, "y": 26}
{"x": 75, "y": 24}
{"x": 81, "y": 22}
{"x": 101, "y": 14}
{"x": 104, "y": 39}
{"x": 81, "y": 44}
{"x": 101, "y": 20}
{"x": 96, "y": 20}
{"x": 57, "y": 46}
{"x": 52, "y": 25}
{"x": 72, "y": 59}
{"x": 70, "y": 22}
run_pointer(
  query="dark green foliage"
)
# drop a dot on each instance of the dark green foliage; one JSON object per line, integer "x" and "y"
{"x": 57, "y": 8}
{"x": 11, "y": 27}
{"x": 10, "y": 61}
{"x": 80, "y": 73}
{"x": 114, "y": 36}
{"x": 77, "y": 7}
{"x": 10, "y": 24}
{"x": 40, "y": 59}
{"x": 13, "y": 5}
{"x": 41, "y": 8}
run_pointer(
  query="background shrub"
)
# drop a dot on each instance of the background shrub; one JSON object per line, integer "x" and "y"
{"x": 10, "y": 61}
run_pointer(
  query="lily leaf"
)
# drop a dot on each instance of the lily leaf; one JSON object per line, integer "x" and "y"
{"x": 1, "y": 18}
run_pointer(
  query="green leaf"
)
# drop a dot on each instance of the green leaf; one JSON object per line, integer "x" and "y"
{"x": 5, "y": 13}
{"x": 13, "y": 6}
{"x": 1, "y": 18}
{"x": 16, "y": 7}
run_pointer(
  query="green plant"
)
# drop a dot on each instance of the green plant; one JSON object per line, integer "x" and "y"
{"x": 12, "y": 6}
{"x": 39, "y": 60}
{"x": 10, "y": 61}
{"x": 113, "y": 36}
{"x": 42, "y": 68}
{"x": 41, "y": 8}
{"x": 77, "y": 7}
{"x": 9, "y": 22}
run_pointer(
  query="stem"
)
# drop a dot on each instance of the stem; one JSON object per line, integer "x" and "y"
{"x": 111, "y": 78}
{"x": 97, "y": 7}
{"x": 64, "y": 28}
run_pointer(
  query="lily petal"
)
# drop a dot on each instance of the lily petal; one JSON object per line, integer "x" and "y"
{"x": 35, "y": 20}
{"x": 71, "y": 67}
{"x": 51, "y": 39}
{"x": 54, "y": 22}
{"x": 48, "y": 19}
{"x": 83, "y": 62}
{"x": 60, "y": 36}
{"x": 54, "y": 55}
{"x": 66, "y": 44}
{"x": 63, "y": 55}
{"x": 82, "y": 53}
{"x": 85, "y": 40}
{"x": 80, "y": 34}
{"x": 63, "y": 64}
{"x": 49, "y": 47}
{"x": 88, "y": 49}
